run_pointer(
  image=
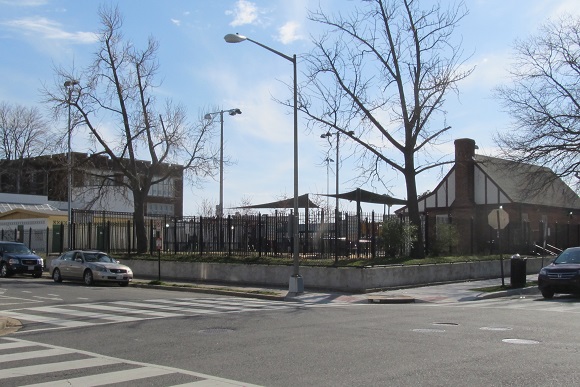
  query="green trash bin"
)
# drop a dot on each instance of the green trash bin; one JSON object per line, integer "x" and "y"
{"x": 518, "y": 271}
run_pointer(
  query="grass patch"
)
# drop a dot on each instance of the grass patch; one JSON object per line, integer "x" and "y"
{"x": 499, "y": 288}
{"x": 305, "y": 260}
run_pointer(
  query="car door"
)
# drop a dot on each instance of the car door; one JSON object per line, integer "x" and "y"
{"x": 77, "y": 266}
{"x": 63, "y": 264}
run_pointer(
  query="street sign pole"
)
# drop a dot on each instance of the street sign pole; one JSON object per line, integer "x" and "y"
{"x": 499, "y": 247}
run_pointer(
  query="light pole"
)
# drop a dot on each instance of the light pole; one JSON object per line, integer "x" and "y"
{"x": 327, "y": 135}
{"x": 69, "y": 85}
{"x": 209, "y": 116}
{"x": 296, "y": 284}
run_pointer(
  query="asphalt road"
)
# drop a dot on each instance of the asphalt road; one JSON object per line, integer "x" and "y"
{"x": 509, "y": 342}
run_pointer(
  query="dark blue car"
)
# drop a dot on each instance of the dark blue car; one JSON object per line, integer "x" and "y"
{"x": 16, "y": 258}
{"x": 562, "y": 275}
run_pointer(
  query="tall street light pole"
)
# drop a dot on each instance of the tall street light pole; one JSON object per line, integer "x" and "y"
{"x": 327, "y": 135}
{"x": 209, "y": 116}
{"x": 296, "y": 284}
{"x": 69, "y": 85}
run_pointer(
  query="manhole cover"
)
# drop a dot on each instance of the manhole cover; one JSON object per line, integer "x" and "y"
{"x": 215, "y": 331}
{"x": 449, "y": 324}
{"x": 427, "y": 330}
{"x": 495, "y": 328}
{"x": 520, "y": 341}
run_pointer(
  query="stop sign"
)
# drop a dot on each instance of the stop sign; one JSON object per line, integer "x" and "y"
{"x": 498, "y": 218}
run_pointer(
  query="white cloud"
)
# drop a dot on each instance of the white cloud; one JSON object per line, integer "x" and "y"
{"x": 289, "y": 33}
{"x": 176, "y": 22}
{"x": 24, "y": 3}
{"x": 48, "y": 29}
{"x": 245, "y": 12}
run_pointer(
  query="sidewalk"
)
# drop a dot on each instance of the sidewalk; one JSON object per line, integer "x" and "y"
{"x": 443, "y": 293}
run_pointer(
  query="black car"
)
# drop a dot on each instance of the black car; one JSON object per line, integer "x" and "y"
{"x": 16, "y": 258}
{"x": 562, "y": 275}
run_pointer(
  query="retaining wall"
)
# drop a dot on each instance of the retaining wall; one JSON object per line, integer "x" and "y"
{"x": 342, "y": 279}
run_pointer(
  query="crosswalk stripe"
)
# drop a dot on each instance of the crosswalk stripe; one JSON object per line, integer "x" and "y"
{"x": 49, "y": 320}
{"x": 163, "y": 307}
{"x": 78, "y": 313}
{"x": 107, "y": 378}
{"x": 32, "y": 355}
{"x": 54, "y": 367}
{"x": 120, "y": 309}
{"x": 136, "y": 371}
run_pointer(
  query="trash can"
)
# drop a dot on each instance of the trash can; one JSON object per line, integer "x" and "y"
{"x": 518, "y": 271}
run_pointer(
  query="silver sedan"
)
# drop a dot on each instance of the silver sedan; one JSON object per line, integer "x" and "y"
{"x": 90, "y": 267}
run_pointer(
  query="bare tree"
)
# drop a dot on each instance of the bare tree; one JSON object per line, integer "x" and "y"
{"x": 115, "y": 101}
{"x": 380, "y": 77}
{"x": 543, "y": 100}
{"x": 24, "y": 133}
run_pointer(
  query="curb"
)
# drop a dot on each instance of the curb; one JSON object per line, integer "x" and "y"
{"x": 394, "y": 299}
{"x": 221, "y": 292}
{"x": 510, "y": 292}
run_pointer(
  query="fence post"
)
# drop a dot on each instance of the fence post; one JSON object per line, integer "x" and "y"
{"x": 230, "y": 235}
{"x": 373, "y": 236}
{"x": 108, "y": 236}
{"x": 30, "y": 238}
{"x": 128, "y": 237}
{"x": 175, "y": 245}
{"x": 200, "y": 235}
{"x": 47, "y": 235}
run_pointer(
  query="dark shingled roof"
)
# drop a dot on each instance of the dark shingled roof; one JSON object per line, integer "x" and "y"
{"x": 527, "y": 183}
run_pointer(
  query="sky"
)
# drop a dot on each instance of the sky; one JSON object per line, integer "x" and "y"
{"x": 203, "y": 73}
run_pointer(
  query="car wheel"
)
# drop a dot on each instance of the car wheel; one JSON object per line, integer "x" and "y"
{"x": 4, "y": 270}
{"x": 123, "y": 284}
{"x": 88, "y": 277}
{"x": 547, "y": 293}
{"x": 56, "y": 276}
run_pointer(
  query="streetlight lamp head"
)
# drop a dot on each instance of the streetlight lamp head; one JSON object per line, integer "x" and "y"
{"x": 233, "y": 112}
{"x": 234, "y": 38}
{"x": 207, "y": 116}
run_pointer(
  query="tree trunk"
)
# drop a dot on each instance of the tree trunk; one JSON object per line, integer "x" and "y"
{"x": 139, "y": 219}
{"x": 418, "y": 250}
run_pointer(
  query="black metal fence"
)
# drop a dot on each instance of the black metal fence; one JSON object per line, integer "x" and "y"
{"x": 321, "y": 236}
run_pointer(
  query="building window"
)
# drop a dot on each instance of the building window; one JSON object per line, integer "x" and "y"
{"x": 160, "y": 209}
{"x": 163, "y": 189}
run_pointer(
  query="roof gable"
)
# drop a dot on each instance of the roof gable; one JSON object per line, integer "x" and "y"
{"x": 527, "y": 183}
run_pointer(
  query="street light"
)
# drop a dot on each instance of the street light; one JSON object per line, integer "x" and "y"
{"x": 296, "y": 284}
{"x": 327, "y": 135}
{"x": 69, "y": 85}
{"x": 209, "y": 116}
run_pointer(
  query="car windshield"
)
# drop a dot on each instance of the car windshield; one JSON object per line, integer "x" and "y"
{"x": 98, "y": 257}
{"x": 16, "y": 249}
{"x": 568, "y": 256}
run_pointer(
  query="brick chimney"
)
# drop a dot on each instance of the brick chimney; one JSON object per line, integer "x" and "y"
{"x": 464, "y": 172}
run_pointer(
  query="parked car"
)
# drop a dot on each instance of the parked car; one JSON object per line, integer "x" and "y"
{"x": 17, "y": 258}
{"x": 89, "y": 266}
{"x": 562, "y": 275}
